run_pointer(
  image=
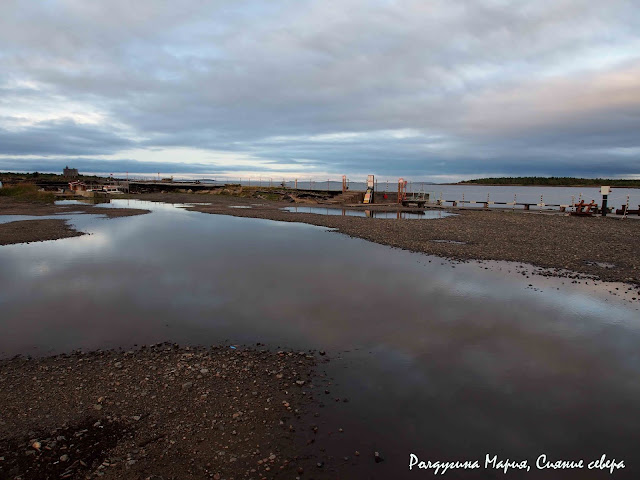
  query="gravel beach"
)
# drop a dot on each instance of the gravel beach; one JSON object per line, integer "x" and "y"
{"x": 605, "y": 248}
{"x": 158, "y": 412}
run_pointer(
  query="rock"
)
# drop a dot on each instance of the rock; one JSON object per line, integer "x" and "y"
{"x": 64, "y": 458}
{"x": 187, "y": 385}
{"x": 118, "y": 364}
{"x": 377, "y": 457}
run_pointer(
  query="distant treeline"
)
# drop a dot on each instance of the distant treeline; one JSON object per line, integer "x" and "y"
{"x": 37, "y": 177}
{"x": 553, "y": 181}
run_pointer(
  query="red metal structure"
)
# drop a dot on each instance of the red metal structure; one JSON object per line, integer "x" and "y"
{"x": 584, "y": 209}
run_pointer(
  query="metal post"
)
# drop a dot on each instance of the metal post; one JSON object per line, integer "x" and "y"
{"x": 626, "y": 209}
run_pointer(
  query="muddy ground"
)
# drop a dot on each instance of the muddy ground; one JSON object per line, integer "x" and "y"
{"x": 162, "y": 412}
{"x": 551, "y": 240}
{"x": 41, "y": 230}
{"x": 35, "y": 231}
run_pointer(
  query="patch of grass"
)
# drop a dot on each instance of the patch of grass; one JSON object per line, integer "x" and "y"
{"x": 272, "y": 197}
{"x": 27, "y": 193}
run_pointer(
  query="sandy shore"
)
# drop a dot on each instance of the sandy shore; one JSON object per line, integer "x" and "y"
{"x": 41, "y": 230}
{"x": 158, "y": 412}
{"x": 606, "y": 248}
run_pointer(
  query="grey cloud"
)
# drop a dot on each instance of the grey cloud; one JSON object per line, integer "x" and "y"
{"x": 493, "y": 79}
{"x": 61, "y": 137}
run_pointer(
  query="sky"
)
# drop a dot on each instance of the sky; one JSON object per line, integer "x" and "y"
{"x": 431, "y": 90}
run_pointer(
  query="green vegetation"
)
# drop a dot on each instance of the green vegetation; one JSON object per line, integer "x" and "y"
{"x": 553, "y": 181}
{"x": 42, "y": 178}
{"x": 27, "y": 193}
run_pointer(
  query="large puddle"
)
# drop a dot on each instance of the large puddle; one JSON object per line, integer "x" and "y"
{"x": 425, "y": 214}
{"x": 449, "y": 362}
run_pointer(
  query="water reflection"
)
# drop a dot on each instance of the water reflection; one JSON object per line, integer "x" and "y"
{"x": 84, "y": 201}
{"x": 448, "y": 363}
{"x": 426, "y": 214}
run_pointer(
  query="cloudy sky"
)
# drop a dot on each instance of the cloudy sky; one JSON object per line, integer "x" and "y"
{"x": 431, "y": 90}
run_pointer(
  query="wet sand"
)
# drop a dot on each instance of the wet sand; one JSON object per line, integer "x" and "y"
{"x": 158, "y": 412}
{"x": 25, "y": 231}
{"x": 560, "y": 243}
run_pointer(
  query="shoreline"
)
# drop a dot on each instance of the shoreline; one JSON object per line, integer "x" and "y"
{"x": 37, "y": 230}
{"x": 602, "y": 248}
{"x": 554, "y": 242}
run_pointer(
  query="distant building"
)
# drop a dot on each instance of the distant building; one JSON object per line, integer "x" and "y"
{"x": 70, "y": 172}
{"x": 78, "y": 186}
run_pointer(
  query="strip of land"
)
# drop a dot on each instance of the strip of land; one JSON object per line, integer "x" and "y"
{"x": 158, "y": 412}
{"x": 35, "y": 230}
{"x": 552, "y": 241}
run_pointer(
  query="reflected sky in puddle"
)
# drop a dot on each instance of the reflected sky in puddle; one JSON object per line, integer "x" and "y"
{"x": 427, "y": 214}
{"x": 448, "y": 363}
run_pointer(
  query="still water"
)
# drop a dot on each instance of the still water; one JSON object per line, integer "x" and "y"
{"x": 449, "y": 362}
{"x": 345, "y": 212}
